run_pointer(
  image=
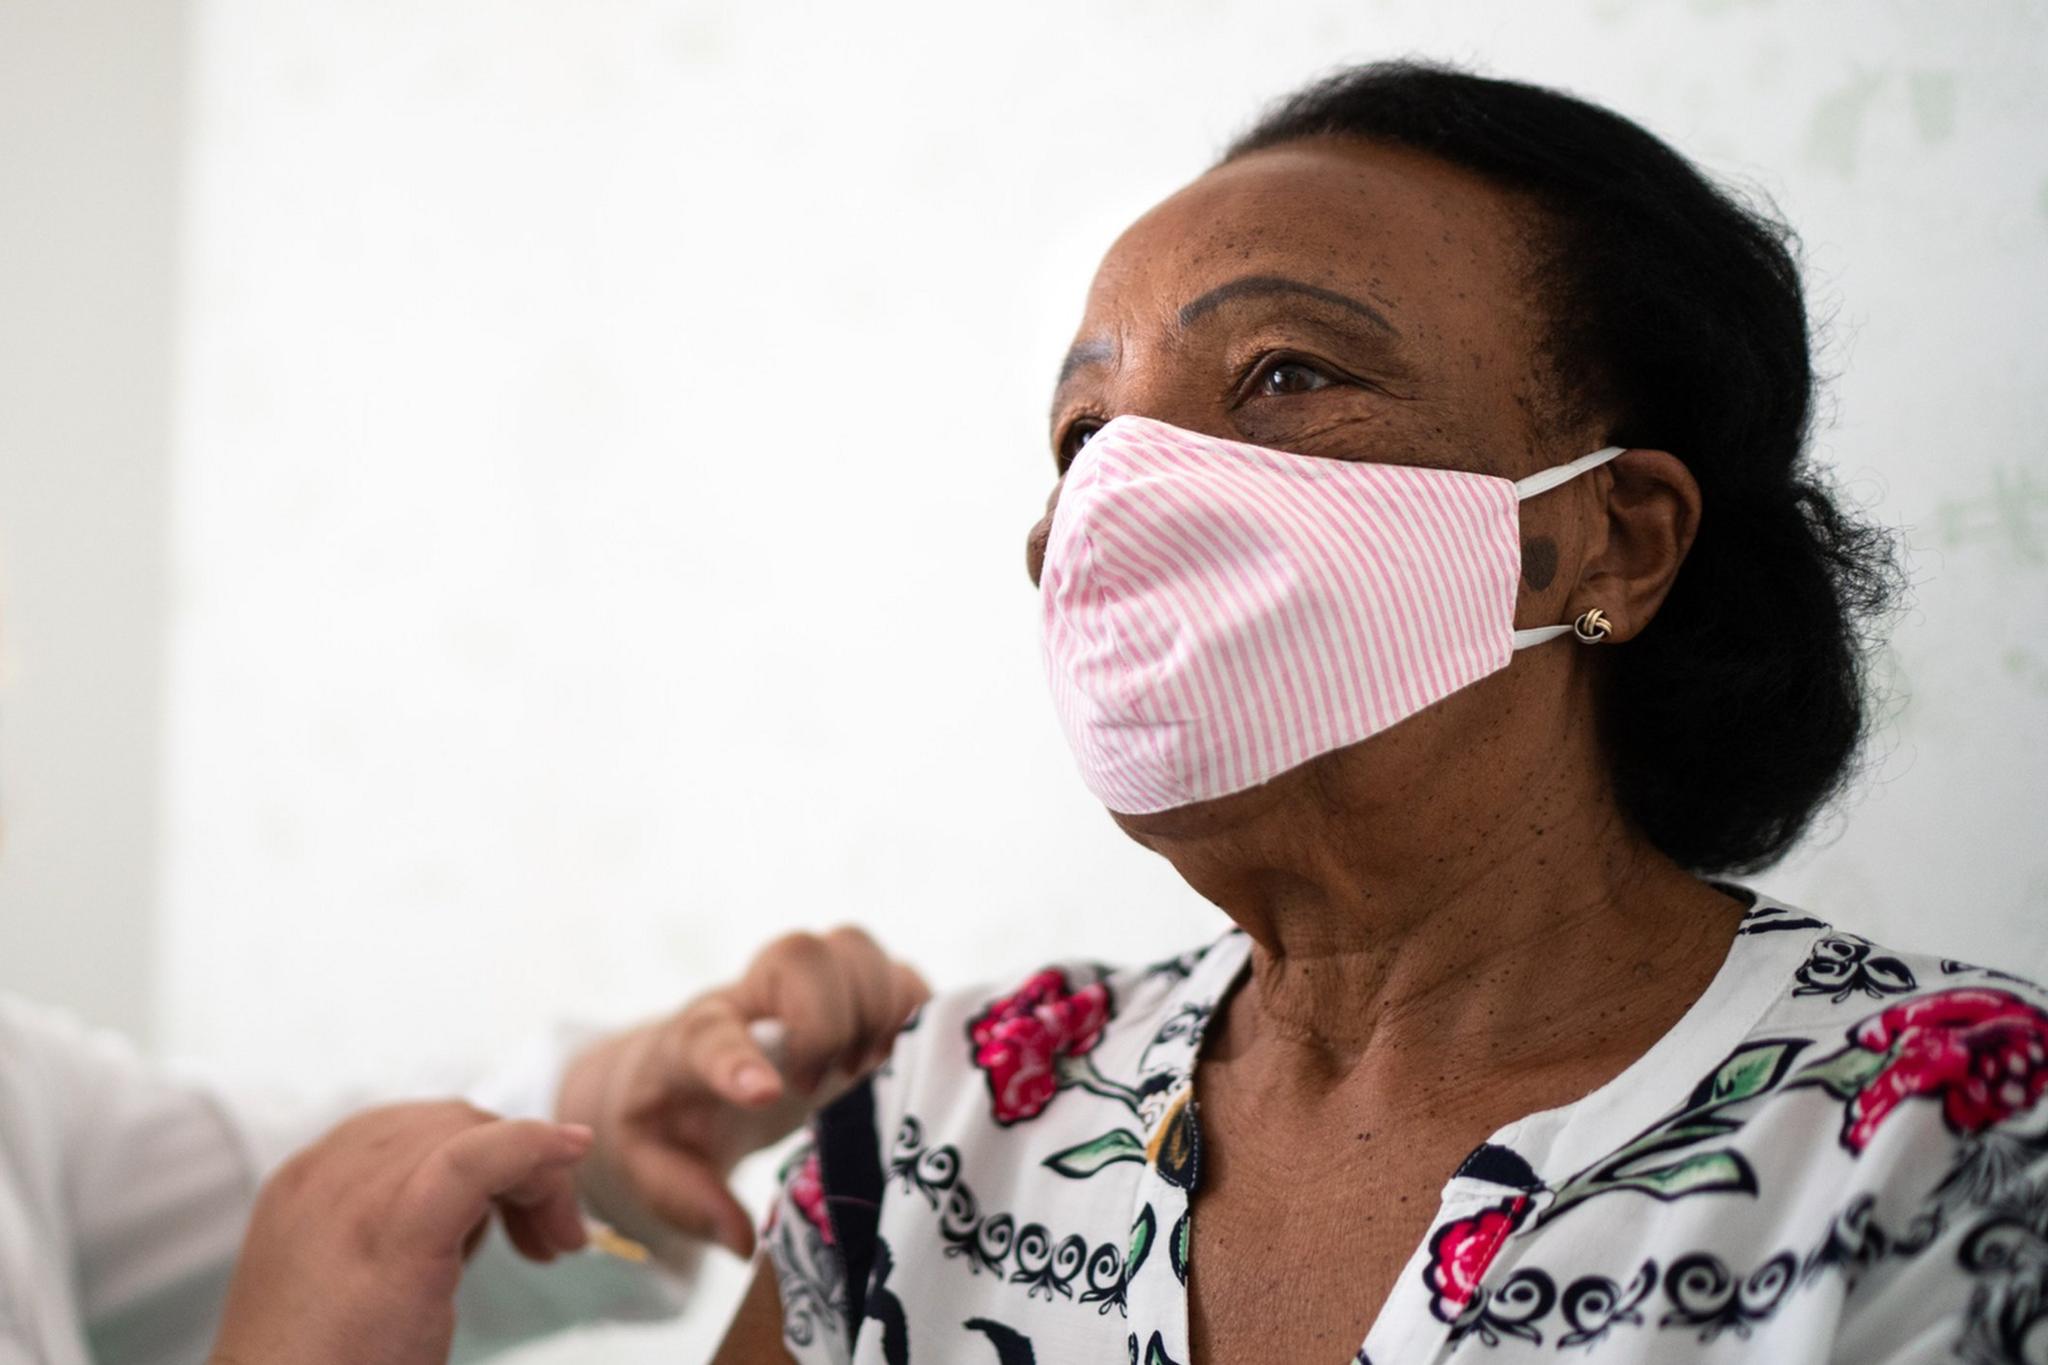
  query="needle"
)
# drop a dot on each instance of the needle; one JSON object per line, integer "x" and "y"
{"x": 609, "y": 1243}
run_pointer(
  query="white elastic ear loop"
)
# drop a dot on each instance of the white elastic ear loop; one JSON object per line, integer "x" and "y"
{"x": 1544, "y": 480}
{"x": 1539, "y": 635}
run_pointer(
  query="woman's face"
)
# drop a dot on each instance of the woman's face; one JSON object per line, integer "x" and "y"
{"x": 1331, "y": 298}
{"x": 1342, "y": 299}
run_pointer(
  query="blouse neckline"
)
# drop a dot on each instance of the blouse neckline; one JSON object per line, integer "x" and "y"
{"x": 1526, "y": 1156}
{"x": 1558, "y": 1141}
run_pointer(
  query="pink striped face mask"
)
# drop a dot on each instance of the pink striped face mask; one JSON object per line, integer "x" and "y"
{"x": 1217, "y": 613}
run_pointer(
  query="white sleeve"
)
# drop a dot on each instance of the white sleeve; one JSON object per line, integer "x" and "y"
{"x": 159, "y": 1173}
{"x": 145, "y": 1181}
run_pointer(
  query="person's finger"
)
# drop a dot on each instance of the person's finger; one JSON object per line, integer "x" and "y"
{"x": 708, "y": 1044}
{"x": 907, "y": 992}
{"x": 545, "y": 1232}
{"x": 455, "y": 1184}
{"x": 867, "y": 972}
{"x": 546, "y": 1202}
{"x": 526, "y": 1237}
{"x": 686, "y": 1194}
{"x": 910, "y": 988}
{"x": 797, "y": 980}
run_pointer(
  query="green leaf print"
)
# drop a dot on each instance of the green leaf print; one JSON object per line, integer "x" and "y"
{"x": 1693, "y": 1175}
{"x": 1142, "y": 1233}
{"x": 1646, "y": 1166}
{"x": 1177, "y": 1249}
{"x": 1078, "y": 1163}
{"x": 1080, "y": 1071}
{"x": 1845, "y": 1074}
{"x": 1749, "y": 1071}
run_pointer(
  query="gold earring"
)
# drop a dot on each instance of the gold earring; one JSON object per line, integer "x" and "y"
{"x": 1592, "y": 628}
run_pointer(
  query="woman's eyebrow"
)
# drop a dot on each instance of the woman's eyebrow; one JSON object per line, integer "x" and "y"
{"x": 1098, "y": 351}
{"x": 1253, "y": 286}
{"x": 1084, "y": 354}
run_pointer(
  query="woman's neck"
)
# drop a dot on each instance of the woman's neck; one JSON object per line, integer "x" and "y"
{"x": 1546, "y": 935}
{"x": 1502, "y": 974}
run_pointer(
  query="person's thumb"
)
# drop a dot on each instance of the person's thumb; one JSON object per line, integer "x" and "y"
{"x": 454, "y": 1187}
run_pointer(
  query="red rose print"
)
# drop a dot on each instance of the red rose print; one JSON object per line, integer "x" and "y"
{"x": 807, "y": 1192}
{"x": 1019, "y": 1037}
{"x": 1984, "y": 1052}
{"x": 1461, "y": 1251}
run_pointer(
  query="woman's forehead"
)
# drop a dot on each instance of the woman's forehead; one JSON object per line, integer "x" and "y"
{"x": 1391, "y": 225}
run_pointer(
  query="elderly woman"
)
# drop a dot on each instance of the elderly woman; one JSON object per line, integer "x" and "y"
{"x": 1436, "y": 581}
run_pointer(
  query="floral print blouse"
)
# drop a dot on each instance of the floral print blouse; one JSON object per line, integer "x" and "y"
{"x": 1840, "y": 1153}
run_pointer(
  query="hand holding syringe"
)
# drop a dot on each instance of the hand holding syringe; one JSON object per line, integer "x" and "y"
{"x": 677, "y": 1103}
{"x": 771, "y": 1036}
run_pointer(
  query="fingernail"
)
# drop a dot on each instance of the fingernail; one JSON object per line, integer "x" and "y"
{"x": 754, "y": 1078}
{"x": 581, "y": 1134}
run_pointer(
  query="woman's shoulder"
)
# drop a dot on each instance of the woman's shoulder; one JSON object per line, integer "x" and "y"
{"x": 1912, "y": 1040}
{"x": 1857, "y": 1150}
{"x": 1884, "y": 1121}
{"x": 1843, "y": 964}
{"x": 1842, "y": 980}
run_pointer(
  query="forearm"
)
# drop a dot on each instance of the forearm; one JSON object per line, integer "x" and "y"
{"x": 755, "y": 1337}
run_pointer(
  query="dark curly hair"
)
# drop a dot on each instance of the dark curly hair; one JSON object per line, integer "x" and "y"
{"x": 1676, "y": 309}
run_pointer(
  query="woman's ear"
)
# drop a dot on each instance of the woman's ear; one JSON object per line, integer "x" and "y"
{"x": 1632, "y": 556}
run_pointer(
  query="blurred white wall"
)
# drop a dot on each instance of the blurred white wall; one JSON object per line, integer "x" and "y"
{"x": 92, "y": 142}
{"x": 605, "y": 436}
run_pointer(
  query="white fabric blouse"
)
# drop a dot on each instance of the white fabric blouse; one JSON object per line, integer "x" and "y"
{"x": 1839, "y": 1153}
{"x": 124, "y": 1193}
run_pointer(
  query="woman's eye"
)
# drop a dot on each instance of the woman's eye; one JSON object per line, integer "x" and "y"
{"x": 1291, "y": 376}
{"x": 1076, "y": 436}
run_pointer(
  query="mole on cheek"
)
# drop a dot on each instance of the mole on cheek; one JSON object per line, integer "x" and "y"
{"x": 1539, "y": 562}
